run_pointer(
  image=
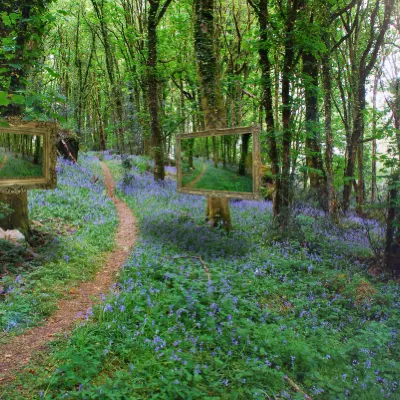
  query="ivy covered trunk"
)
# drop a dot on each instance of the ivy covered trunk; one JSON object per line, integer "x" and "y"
{"x": 267, "y": 103}
{"x": 315, "y": 167}
{"x": 157, "y": 141}
{"x": 211, "y": 93}
{"x": 16, "y": 71}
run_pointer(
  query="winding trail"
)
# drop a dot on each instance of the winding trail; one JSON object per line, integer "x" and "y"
{"x": 198, "y": 177}
{"x": 17, "y": 353}
{"x": 4, "y": 160}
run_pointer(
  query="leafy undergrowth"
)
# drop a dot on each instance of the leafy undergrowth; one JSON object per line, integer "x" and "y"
{"x": 81, "y": 221}
{"x": 306, "y": 308}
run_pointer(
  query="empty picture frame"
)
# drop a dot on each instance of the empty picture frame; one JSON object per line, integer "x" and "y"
{"x": 220, "y": 163}
{"x": 27, "y": 156}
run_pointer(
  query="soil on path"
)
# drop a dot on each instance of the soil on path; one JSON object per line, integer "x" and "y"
{"x": 4, "y": 161}
{"x": 19, "y": 350}
{"x": 198, "y": 177}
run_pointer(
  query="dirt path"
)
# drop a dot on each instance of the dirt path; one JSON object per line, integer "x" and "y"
{"x": 198, "y": 177}
{"x": 19, "y": 350}
{"x": 4, "y": 160}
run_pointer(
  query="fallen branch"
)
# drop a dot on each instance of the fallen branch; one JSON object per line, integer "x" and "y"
{"x": 297, "y": 388}
{"x": 207, "y": 271}
{"x": 68, "y": 151}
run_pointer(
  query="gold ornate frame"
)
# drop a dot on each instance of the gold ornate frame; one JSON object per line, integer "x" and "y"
{"x": 255, "y": 131}
{"x": 48, "y": 131}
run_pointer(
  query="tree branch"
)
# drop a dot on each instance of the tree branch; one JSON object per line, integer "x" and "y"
{"x": 343, "y": 10}
{"x": 163, "y": 11}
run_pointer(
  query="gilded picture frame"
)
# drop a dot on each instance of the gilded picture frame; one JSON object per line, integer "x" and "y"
{"x": 48, "y": 131}
{"x": 255, "y": 194}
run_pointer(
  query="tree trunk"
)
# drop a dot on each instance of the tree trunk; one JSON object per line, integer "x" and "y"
{"x": 312, "y": 143}
{"x": 244, "y": 153}
{"x": 392, "y": 248}
{"x": 190, "y": 153}
{"x": 157, "y": 140}
{"x": 287, "y": 78}
{"x": 374, "y": 147}
{"x": 217, "y": 211}
{"x": 267, "y": 103}
{"x": 354, "y": 148}
{"x": 327, "y": 85}
{"x": 36, "y": 157}
{"x": 19, "y": 218}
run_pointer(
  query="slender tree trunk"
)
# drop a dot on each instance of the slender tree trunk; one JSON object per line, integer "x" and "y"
{"x": 374, "y": 118}
{"x": 190, "y": 153}
{"x": 244, "y": 153}
{"x": 312, "y": 143}
{"x": 287, "y": 77}
{"x": 354, "y": 148}
{"x": 36, "y": 157}
{"x": 267, "y": 103}
{"x": 153, "y": 93}
{"x": 392, "y": 248}
{"x": 211, "y": 93}
{"x": 327, "y": 85}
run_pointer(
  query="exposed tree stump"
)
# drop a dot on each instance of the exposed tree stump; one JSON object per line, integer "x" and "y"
{"x": 19, "y": 218}
{"x": 218, "y": 213}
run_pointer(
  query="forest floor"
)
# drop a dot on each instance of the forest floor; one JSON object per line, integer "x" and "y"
{"x": 19, "y": 350}
{"x": 18, "y": 167}
{"x": 206, "y": 176}
{"x": 263, "y": 319}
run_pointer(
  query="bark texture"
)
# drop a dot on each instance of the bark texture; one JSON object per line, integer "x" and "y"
{"x": 217, "y": 211}
{"x": 19, "y": 218}
{"x": 267, "y": 102}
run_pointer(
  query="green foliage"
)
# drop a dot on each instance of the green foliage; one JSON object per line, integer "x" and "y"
{"x": 4, "y": 210}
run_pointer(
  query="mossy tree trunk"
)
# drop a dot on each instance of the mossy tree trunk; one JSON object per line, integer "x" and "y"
{"x": 19, "y": 218}
{"x": 315, "y": 166}
{"x": 155, "y": 14}
{"x": 211, "y": 94}
{"x": 267, "y": 100}
{"x": 17, "y": 69}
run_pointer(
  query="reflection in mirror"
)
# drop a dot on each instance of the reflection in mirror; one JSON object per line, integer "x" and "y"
{"x": 21, "y": 156}
{"x": 221, "y": 163}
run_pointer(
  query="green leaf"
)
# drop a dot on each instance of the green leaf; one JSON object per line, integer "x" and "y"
{"x": 52, "y": 72}
{"x": 18, "y": 99}
{"x": 4, "y": 101}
